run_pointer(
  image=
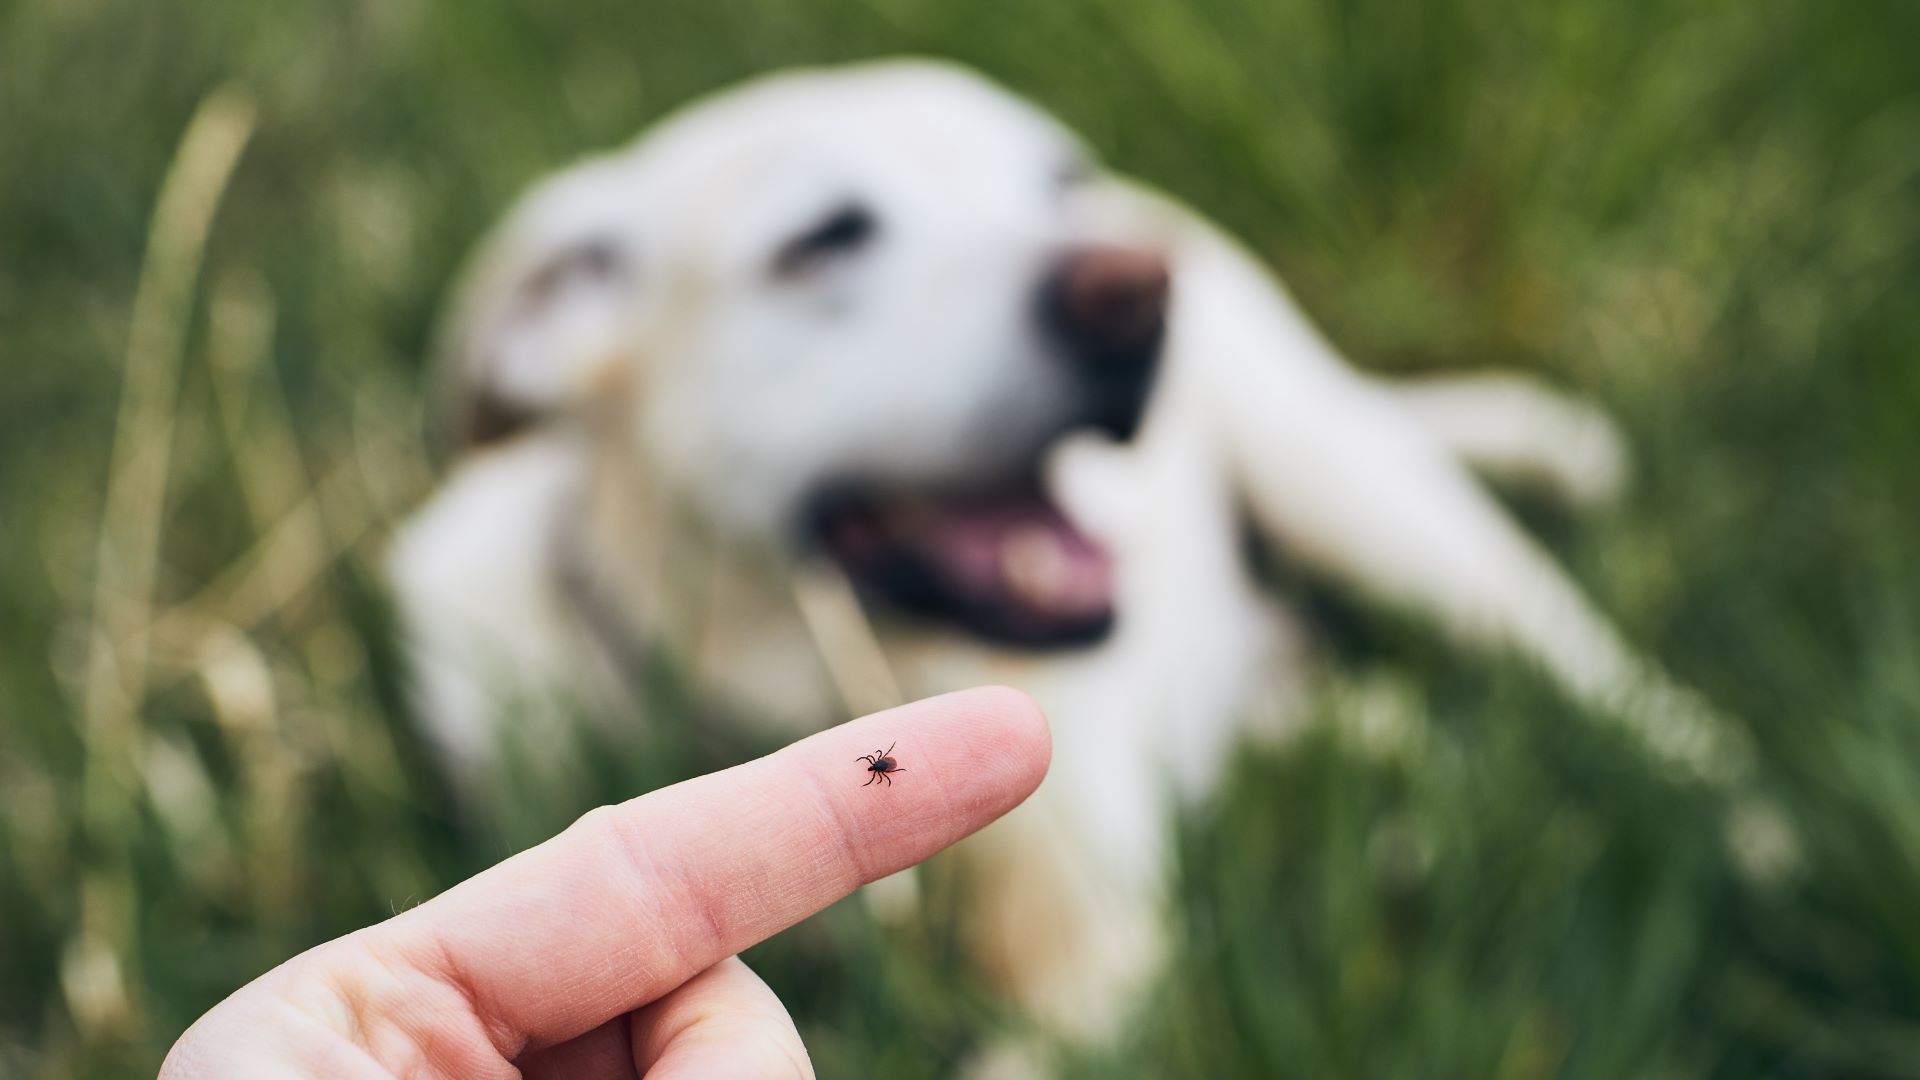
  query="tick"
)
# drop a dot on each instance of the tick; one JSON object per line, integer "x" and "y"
{"x": 881, "y": 764}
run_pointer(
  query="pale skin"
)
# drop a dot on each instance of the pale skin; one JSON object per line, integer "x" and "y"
{"x": 609, "y": 950}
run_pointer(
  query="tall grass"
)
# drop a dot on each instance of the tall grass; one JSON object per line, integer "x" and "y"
{"x": 224, "y": 230}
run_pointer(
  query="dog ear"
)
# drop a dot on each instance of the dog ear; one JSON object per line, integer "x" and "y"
{"x": 540, "y": 321}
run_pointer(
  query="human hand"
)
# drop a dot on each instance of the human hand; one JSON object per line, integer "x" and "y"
{"x": 608, "y": 951}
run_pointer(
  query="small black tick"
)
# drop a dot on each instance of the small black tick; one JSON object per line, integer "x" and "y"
{"x": 881, "y": 764}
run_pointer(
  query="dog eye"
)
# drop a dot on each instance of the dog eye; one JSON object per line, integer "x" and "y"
{"x": 842, "y": 232}
{"x": 592, "y": 262}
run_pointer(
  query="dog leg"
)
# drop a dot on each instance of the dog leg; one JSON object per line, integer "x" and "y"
{"x": 1517, "y": 431}
{"x": 493, "y": 663}
{"x": 1339, "y": 472}
{"x": 1070, "y": 933}
{"x": 1069, "y": 913}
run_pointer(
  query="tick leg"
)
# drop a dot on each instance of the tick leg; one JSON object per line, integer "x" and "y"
{"x": 889, "y": 752}
{"x": 870, "y": 779}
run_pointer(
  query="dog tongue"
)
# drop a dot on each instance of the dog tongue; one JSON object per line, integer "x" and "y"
{"x": 1009, "y": 565}
{"x": 1025, "y": 551}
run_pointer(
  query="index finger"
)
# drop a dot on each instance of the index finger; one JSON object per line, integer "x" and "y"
{"x": 634, "y": 899}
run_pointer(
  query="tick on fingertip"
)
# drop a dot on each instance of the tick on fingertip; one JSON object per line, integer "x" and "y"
{"x": 881, "y": 765}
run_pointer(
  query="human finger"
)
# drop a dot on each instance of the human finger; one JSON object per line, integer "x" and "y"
{"x": 635, "y": 899}
{"x": 723, "y": 1022}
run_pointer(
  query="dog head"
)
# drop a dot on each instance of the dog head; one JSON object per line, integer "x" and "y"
{"x": 853, "y": 309}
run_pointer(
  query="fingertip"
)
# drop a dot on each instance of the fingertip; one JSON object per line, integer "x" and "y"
{"x": 722, "y": 1022}
{"x": 751, "y": 1054}
{"x": 1020, "y": 724}
{"x": 987, "y": 748}
{"x": 1004, "y": 747}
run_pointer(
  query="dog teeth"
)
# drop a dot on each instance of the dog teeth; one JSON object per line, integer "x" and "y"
{"x": 1034, "y": 564}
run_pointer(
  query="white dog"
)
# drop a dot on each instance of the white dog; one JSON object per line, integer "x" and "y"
{"x": 856, "y": 385}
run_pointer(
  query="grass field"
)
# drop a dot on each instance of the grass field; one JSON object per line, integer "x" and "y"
{"x": 1704, "y": 214}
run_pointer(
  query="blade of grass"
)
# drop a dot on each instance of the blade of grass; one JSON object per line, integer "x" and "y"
{"x": 127, "y": 555}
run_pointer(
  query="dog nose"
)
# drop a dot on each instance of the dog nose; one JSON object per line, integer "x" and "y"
{"x": 1109, "y": 301}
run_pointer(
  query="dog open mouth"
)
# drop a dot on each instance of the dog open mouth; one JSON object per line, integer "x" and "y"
{"x": 1005, "y": 564}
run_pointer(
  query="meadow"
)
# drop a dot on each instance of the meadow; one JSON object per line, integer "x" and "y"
{"x": 225, "y": 231}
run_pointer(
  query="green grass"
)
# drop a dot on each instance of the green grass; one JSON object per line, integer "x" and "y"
{"x": 1706, "y": 214}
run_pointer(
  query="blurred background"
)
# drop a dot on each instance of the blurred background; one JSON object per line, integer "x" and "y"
{"x": 225, "y": 229}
